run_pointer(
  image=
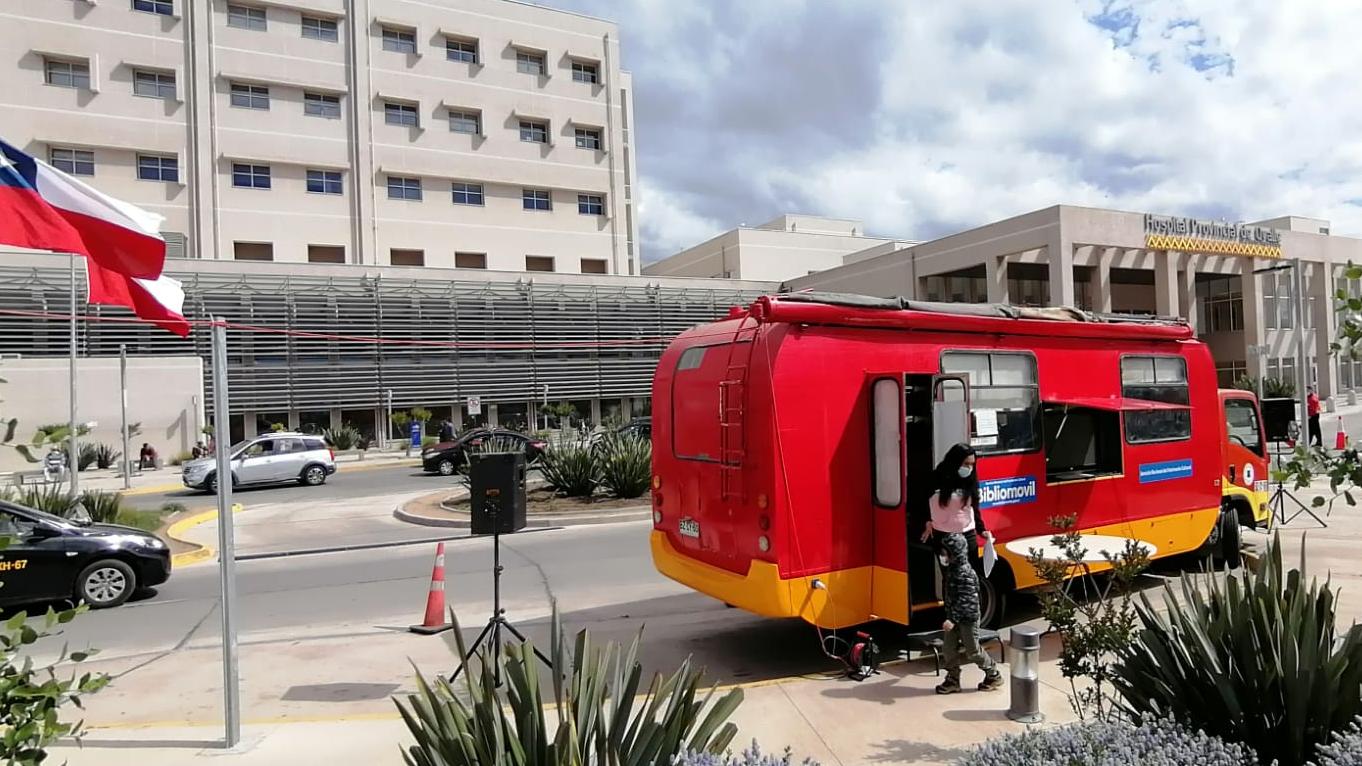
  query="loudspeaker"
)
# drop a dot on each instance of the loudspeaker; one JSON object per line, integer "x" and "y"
{"x": 1278, "y": 415}
{"x": 497, "y": 495}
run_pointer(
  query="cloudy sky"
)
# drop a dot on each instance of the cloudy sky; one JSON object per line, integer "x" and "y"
{"x": 923, "y": 117}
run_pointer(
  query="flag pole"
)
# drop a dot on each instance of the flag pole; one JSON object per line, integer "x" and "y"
{"x": 73, "y": 460}
{"x": 222, "y": 434}
{"x": 123, "y": 393}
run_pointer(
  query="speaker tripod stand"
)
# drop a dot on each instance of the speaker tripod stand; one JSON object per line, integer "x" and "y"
{"x": 1281, "y": 495}
{"x": 491, "y": 633}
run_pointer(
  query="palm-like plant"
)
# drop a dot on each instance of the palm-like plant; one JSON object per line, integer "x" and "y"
{"x": 626, "y": 464}
{"x": 571, "y": 468}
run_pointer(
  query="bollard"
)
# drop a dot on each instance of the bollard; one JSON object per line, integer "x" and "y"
{"x": 1023, "y": 654}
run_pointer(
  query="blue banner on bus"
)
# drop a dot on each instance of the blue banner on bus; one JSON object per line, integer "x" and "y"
{"x": 1014, "y": 490}
{"x": 1165, "y": 471}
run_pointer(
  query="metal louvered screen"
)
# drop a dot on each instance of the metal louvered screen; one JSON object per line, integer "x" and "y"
{"x": 514, "y": 337}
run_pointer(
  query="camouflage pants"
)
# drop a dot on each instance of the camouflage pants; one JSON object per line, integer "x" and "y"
{"x": 961, "y": 643}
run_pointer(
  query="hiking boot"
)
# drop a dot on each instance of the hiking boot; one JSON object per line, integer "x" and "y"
{"x": 992, "y": 680}
{"x": 950, "y": 686}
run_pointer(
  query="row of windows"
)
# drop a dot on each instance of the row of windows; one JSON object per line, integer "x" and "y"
{"x": 264, "y": 251}
{"x": 81, "y": 162}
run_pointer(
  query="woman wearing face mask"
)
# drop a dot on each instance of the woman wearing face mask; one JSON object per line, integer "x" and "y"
{"x": 954, "y": 504}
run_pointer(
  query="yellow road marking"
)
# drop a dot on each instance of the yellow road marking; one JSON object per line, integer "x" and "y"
{"x": 203, "y": 552}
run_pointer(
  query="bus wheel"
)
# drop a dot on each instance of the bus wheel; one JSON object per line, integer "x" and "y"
{"x": 1228, "y": 548}
{"x": 992, "y": 602}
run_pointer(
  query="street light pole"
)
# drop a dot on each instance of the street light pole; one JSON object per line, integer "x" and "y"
{"x": 231, "y": 682}
{"x": 1302, "y": 375}
{"x": 123, "y": 393}
{"x": 73, "y": 460}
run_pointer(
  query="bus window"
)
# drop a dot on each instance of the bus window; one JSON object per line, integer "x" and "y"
{"x": 888, "y": 417}
{"x": 1241, "y": 421}
{"x": 695, "y": 397}
{"x": 1004, "y": 385}
{"x": 1159, "y": 379}
{"x": 1081, "y": 442}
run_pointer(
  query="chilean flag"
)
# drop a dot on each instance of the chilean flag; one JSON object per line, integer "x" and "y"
{"x": 42, "y": 208}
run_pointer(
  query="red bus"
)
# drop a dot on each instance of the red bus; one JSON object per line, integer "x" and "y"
{"x": 793, "y": 442}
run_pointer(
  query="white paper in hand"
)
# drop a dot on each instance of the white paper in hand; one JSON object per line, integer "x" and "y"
{"x": 990, "y": 556}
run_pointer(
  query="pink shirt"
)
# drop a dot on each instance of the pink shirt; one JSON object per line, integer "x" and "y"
{"x": 955, "y": 515}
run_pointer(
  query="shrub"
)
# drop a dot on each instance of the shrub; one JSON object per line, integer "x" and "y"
{"x": 88, "y": 455}
{"x": 600, "y": 717}
{"x": 1278, "y": 388}
{"x": 278, "y": 428}
{"x": 147, "y": 521}
{"x": 343, "y": 437}
{"x": 626, "y": 464}
{"x": 571, "y": 468}
{"x": 102, "y": 507}
{"x": 50, "y": 498}
{"x": 1253, "y": 658}
{"x": 1345, "y": 749}
{"x": 169, "y": 508}
{"x": 106, "y": 455}
{"x": 752, "y": 756}
{"x": 1109, "y": 743}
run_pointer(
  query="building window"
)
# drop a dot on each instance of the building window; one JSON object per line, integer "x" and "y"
{"x": 1220, "y": 305}
{"x": 467, "y": 194}
{"x": 253, "y": 251}
{"x": 1157, "y": 379}
{"x": 465, "y": 122}
{"x": 246, "y": 176}
{"x": 398, "y": 257}
{"x": 315, "y": 28}
{"x": 153, "y": 84}
{"x": 538, "y": 263}
{"x": 400, "y": 114}
{"x": 321, "y": 105}
{"x": 77, "y": 162}
{"x": 154, "y": 167}
{"x": 399, "y": 40}
{"x": 324, "y": 181}
{"x": 1227, "y": 374}
{"x": 404, "y": 188}
{"x": 250, "y": 96}
{"x": 536, "y": 199}
{"x": 534, "y": 131}
{"x": 470, "y": 260}
{"x": 159, "y": 7}
{"x": 590, "y": 204}
{"x": 594, "y": 266}
{"x": 529, "y": 62}
{"x": 325, "y": 254}
{"x": 588, "y": 138}
{"x": 586, "y": 71}
{"x": 1006, "y": 384}
{"x": 67, "y": 74}
{"x": 246, "y": 17}
{"x": 457, "y": 49}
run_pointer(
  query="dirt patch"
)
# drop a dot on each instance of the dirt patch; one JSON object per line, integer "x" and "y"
{"x": 543, "y": 502}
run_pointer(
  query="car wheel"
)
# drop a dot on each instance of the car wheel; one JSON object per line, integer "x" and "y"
{"x": 106, "y": 584}
{"x": 210, "y": 484}
{"x": 313, "y": 476}
{"x": 446, "y": 467}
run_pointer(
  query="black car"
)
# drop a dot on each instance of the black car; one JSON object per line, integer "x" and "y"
{"x": 446, "y": 457}
{"x": 50, "y": 558}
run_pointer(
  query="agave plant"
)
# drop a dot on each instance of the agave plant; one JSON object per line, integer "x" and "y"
{"x": 1252, "y": 658}
{"x": 492, "y": 444}
{"x": 626, "y": 464}
{"x": 105, "y": 455}
{"x": 343, "y": 437}
{"x": 51, "y": 498}
{"x": 596, "y": 718}
{"x": 102, "y": 507}
{"x": 571, "y": 468}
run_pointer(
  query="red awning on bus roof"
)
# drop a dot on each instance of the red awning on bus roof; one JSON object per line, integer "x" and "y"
{"x": 1115, "y": 403}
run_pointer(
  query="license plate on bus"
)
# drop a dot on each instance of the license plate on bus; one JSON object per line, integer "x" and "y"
{"x": 689, "y": 528}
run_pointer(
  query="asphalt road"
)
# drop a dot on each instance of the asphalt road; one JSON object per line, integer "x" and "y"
{"x": 353, "y": 480}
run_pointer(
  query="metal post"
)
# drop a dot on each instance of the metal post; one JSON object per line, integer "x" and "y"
{"x": 73, "y": 460}
{"x": 226, "y": 545}
{"x": 1302, "y": 375}
{"x": 388, "y": 424}
{"x": 546, "y": 406}
{"x": 123, "y": 391}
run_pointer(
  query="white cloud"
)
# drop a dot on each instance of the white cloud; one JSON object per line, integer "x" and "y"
{"x": 925, "y": 118}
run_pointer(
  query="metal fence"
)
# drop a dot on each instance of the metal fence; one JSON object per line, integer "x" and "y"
{"x": 515, "y": 337}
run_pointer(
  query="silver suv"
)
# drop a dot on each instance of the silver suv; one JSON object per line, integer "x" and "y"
{"x": 267, "y": 459}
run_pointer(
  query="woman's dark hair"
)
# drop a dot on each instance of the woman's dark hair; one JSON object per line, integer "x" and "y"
{"x": 948, "y": 478}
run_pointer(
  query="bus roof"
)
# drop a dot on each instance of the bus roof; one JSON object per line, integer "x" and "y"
{"x": 846, "y": 310}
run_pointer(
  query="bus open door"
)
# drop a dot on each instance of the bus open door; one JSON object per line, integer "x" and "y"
{"x": 1245, "y": 466}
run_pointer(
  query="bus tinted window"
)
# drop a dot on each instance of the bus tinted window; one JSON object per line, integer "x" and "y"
{"x": 1159, "y": 379}
{"x": 1241, "y": 421}
{"x": 1004, "y": 384}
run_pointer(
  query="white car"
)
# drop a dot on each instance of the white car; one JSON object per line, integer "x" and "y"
{"x": 267, "y": 459}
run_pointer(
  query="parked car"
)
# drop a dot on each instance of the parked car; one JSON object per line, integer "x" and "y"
{"x": 267, "y": 459}
{"x": 446, "y": 457}
{"x": 51, "y": 558}
{"x": 640, "y": 427}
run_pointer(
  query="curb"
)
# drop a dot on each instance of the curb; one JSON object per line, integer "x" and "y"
{"x": 200, "y": 552}
{"x": 464, "y": 521}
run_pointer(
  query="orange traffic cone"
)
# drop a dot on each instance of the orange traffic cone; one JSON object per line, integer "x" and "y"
{"x": 435, "y": 601}
{"x": 1341, "y": 442}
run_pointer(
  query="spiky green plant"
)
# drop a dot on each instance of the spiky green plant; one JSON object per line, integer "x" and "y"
{"x": 1253, "y": 658}
{"x": 106, "y": 455}
{"x": 342, "y": 437}
{"x": 626, "y": 464}
{"x": 103, "y": 507}
{"x": 571, "y": 468}
{"x": 596, "y": 718}
{"x": 50, "y": 498}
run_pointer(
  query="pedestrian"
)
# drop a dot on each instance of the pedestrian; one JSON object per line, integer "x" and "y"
{"x": 1312, "y": 410}
{"x": 199, "y": 450}
{"x": 54, "y": 464}
{"x": 147, "y": 457}
{"x": 954, "y": 503}
{"x": 446, "y": 431}
{"x": 960, "y": 629}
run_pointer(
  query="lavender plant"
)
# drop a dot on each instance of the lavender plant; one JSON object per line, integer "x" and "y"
{"x": 1344, "y": 750}
{"x": 752, "y": 756}
{"x": 1113, "y": 742}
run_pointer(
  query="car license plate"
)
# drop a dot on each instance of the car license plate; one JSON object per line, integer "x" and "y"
{"x": 689, "y": 528}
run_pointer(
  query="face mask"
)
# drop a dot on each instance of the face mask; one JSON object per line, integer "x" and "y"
{"x": 965, "y": 471}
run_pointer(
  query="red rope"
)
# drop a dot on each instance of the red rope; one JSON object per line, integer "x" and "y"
{"x": 241, "y": 327}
